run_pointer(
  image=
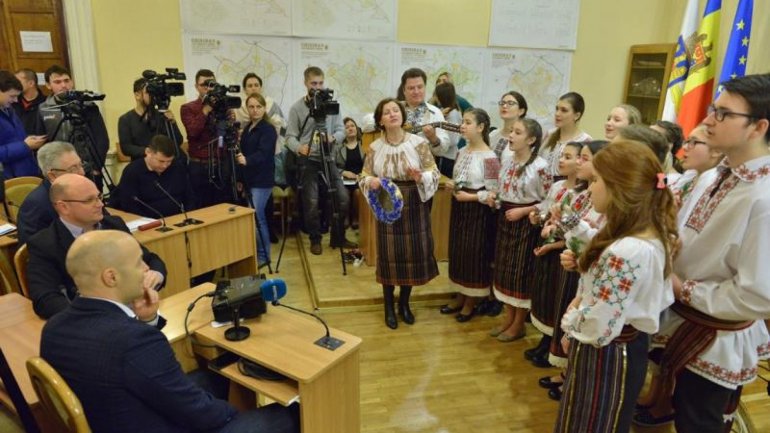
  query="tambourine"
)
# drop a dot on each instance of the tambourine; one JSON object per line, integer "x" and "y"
{"x": 386, "y": 202}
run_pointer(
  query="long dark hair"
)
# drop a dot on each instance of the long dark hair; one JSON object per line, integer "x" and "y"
{"x": 482, "y": 118}
{"x": 533, "y": 129}
{"x": 359, "y": 133}
{"x": 635, "y": 203}
{"x": 578, "y": 105}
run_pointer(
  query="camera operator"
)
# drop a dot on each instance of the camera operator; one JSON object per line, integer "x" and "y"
{"x": 59, "y": 81}
{"x": 137, "y": 127}
{"x": 209, "y": 173}
{"x": 299, "y": 133}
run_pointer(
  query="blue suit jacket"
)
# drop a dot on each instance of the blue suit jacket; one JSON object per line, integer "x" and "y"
{"x": 125, "y": 374}
{"x": 17, "y": 158}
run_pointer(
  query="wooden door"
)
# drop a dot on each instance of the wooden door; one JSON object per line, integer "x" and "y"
{"x": 32, "y": 34}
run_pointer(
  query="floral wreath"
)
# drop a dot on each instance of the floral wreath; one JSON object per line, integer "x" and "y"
{"x": 386, "y": 202}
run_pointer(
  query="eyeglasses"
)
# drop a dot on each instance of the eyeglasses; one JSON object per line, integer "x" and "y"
{"x": 89, "y": 201}
{"x": 721, "y": 113}
{"x": 73, "y": 169}
{"x": 507, "y": 103}
{"x": 692, "y": 142}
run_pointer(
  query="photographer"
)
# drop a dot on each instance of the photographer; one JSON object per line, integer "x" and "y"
{"x": 137, "y": 127}
{"x": 299, "y": 133}
{"x": 209, "y": 173}
{"x": 92, "y": 151}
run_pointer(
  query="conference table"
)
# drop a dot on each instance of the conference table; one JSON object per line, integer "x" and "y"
{"x": 225, "y": 238}
{"x": 325, "y": 383}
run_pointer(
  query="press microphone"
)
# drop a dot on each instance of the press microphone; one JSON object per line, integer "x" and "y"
{"x": 275, "y": 289}
{"x": 187, "y": 221}
{"x": 163, "y": 227}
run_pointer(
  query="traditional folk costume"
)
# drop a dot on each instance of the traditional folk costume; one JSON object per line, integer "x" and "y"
{"x": 548, "y": 267}
{"x": 500, "y": 145}
{"x": 553, "y": 154}
{"x": 472, "y": 224}
{"x": 404, "y": 248}
{"x": 689, "y": 188}
{"x": 579, "y": 227}
{"x": 715, "y": 334}
{"x": 621, "y": 298}
{"x": 520, "y": 186}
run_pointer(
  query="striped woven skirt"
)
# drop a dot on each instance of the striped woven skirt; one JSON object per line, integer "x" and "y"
{"x": 405, "y": 248}
{"x": 548, "y": 270}
{"x": 471, "y": 247}
{"x": 514, "y": 273}
{"x": 565, "y": 293}
{"x": 602, "y": 385}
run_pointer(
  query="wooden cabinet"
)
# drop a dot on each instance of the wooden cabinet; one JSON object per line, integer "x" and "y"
{"x": 649, "y": 67}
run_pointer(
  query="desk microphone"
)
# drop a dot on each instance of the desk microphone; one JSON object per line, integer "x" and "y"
{"x": 275, "y": 289}
{"x": 163, "y": 227}
{"x": 187, "y": 221}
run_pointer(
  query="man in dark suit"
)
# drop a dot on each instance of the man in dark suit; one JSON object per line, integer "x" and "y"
{"x": 36, "y": 212}
{"x": 124, "y": 371}
{"x": 80, "y": 209}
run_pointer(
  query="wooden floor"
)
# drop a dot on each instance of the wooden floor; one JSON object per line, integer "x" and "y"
{"x": 440, "y": 376}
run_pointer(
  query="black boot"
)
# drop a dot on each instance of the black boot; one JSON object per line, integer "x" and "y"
{"x": 541, "y": 347}
{"x": 390, "y": 312}
{"x": 540, "y": 359}
{"x": 403, "y": 305}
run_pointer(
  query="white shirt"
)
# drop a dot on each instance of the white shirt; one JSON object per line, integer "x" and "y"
{"x": 624, "y": 287}
{"x": 552, "y": 155}
{"x": 530, "y": 185}
{"x": 476, "y": 169}
{"x": 724, "y": 271}
{"x": 500, "y": 145}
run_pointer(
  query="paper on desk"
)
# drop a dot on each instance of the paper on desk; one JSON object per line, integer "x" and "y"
{"x": 133, "y": 225}
{"x": 6, "y": 228}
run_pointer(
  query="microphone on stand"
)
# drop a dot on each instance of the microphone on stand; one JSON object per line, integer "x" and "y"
{"x": 275, "y": 289}
{"x": 187, "y": 220}
{"x": 163, "y": 227}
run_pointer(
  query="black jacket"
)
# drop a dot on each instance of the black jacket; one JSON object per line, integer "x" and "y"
{"x": 50, "y": 286}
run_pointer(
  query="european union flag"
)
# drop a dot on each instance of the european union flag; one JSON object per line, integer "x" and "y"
{"x": 737, "y": 53}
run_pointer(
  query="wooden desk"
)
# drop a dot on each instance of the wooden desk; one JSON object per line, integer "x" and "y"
{"x": 439, "y": 221}
{"x": 8, "y": 246}
{"x": 224, "y": 239}
{"x": 327, "y": 382}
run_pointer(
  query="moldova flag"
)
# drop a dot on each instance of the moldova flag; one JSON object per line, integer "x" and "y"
{"x": 701, "y": 52}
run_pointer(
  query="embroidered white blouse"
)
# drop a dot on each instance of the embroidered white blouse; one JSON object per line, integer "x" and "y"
{"x": 555, "y": 195}
{"x": 500, "y": 145}
{"x": 722, "y": 265}
{"x": 624, "y": 287}
{"x": 392, "y": 161}
{"x": 552, "y": 155}
{"x": 531, "y": 185}
{"x": 690, "y": 188}
{"x": 477, "y": 169}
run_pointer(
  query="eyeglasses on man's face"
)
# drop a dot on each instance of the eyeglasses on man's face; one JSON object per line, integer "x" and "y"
{"x": 720, "y": 113}
{"x": 90, "y": 201}
{"x": 75, "y": 168}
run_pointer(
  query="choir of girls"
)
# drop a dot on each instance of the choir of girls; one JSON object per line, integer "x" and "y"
{"x": 596, "y": 257}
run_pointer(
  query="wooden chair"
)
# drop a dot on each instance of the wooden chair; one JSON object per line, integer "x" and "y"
{"x": 20, "y": 260}
{"x": 56, "y": 398}
{"x": 122, "y": 157}
{"x": 283, "y": 198}
{"x": 16, "y": 190}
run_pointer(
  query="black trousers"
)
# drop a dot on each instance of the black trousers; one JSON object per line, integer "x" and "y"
{"x": 310, "y": 201}
{"x": 700, "y": 404}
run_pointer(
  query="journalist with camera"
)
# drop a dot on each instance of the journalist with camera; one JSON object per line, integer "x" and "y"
{"x": 317, "y": 112}
{"x": 151, "y": 115}
{"x": 71, "y": 115}
{"x": 211, "y": 132}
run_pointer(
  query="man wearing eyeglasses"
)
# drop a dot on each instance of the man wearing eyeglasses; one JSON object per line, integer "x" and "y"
{"x": 79, "y": 207}
{"x": 714, "y": 333}
{"x": 36, "y": 212}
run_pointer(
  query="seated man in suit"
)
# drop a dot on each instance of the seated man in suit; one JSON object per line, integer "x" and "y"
{"x": 124, "y": 371}
{"x": 80, "y": 209}
{"x": 152, "y": 179}
{"x": 36, "y": 212}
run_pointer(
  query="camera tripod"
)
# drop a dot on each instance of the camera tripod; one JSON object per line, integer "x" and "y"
{"x": 81, "y": 138}
{"x": 328, "y": 175}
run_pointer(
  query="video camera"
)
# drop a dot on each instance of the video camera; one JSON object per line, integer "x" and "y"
{"x": 73, "y": 102}
{"x": 322, "y": 104}
{"x": 161, "y": 91}
{"x": 218, "y": 99}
